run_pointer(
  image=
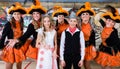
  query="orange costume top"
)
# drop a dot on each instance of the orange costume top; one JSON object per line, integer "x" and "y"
{"x": 105, "y": 34}
{"x": 109, "y": 49}
{"x": 13, "y": 55}
{"x": 61, "y": 28}
{"x": 17, "y": 32}
{"x": 86, "y": 28}
{"x": 31, "y": 30}
{"x": 89, "y": 36}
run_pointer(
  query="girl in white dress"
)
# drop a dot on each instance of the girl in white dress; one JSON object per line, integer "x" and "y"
{"x": 47, "y": 45}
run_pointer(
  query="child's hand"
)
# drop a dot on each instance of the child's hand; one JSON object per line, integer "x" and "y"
{"x": 80, "y": 63}
{"x": 55, "y": 55}
{"x": 63, "y": 64}
{"x": 38, "y": 45}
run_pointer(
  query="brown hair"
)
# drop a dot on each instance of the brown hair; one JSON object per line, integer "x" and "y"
{"x": 51, "y": 23}
{"x": 40, "y": 16}
{"x": 35, "y": 23}
{"x": 14, "y": 24}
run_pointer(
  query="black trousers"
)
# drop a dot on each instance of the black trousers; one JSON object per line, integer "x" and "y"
{"x": 72, "y": 60}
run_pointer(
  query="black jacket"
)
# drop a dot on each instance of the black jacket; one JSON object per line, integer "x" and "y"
{"x": 113, "y": 43}
{"x": 30, "y": 31}
{"x": 91, "y": 40}
{"x": 7, "y": 32}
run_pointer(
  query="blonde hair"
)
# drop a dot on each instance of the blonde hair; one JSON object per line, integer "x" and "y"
{"x": 51, "y": 23}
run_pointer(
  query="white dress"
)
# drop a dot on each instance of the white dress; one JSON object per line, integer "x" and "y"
{"x": 45, "y": 59}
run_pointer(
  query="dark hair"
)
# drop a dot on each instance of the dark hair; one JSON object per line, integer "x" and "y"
{"x": 83, "y": 6}
{"x": 111, "y": 8}
{"x": 65, "y": 21}
{"x": 14, "y": 24}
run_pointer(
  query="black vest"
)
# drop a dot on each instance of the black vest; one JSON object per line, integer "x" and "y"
{"x": 72, "y": 43}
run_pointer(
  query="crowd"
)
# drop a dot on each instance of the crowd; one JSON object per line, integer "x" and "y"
{"x": 68, "y": 41}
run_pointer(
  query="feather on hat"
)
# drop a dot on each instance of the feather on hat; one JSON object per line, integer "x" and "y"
{"x": 37, "y": 7}
{"x": 85, "y": 8}
{"x": 59, "y": 11}
{"x": 17, "y": 7}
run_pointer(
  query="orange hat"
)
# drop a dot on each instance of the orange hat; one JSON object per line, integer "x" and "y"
{"x": 17, "y": 7}
{"x": 112, "y": 9}
{"x": 85, "y": 8}
{"x": 56, "y": 8}
{"x": 109, "y": 15}
{"x": 118, "y": 19}
{"x": 37, "y": 7}
{"x": 59, "y": 11}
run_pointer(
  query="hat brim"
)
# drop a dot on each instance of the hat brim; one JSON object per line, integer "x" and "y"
{"x": 60, "y": 13}
{"x": 90, "y": 11}
{"x": 18, "y": 10}
{"x": 108, "y": 17}
{"x": 37, "y": 10}
{"x": 116, "y": 19}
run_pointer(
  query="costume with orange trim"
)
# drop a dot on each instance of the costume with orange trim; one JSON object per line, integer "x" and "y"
{"x": 89, "y": 33}
{"x": 109, "y": 49}
{"x": 86, "y": 8}
{"x": 31, "y": 30}
{"x": 32, "y": 50}
{"x": 89, "y": 36}
{"x": 60, "y": 27}
{"x": 13, "y": 54}
{"x": 59, "y": 10}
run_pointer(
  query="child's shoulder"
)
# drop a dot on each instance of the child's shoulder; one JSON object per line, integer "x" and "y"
{"x": 53, "y": 31}
{"x": 40, "y": 30}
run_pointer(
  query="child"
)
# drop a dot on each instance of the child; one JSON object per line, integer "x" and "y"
{"x": 108, "y": 55}
{"x": 72, "y": 46}
{"x": 47, "y": 45}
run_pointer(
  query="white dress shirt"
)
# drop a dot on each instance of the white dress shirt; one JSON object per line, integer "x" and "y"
{"x": 82, "y": 43}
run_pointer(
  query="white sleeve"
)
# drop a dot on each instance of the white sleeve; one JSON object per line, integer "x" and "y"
{"x": 82, "y": 42}
{"x": 62, "y": 42}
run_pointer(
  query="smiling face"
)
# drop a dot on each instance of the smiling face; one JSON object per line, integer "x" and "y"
{"x": 110, "y": 23}
{"x": 46, "y": 22}
{"x": 60, "y": 18}
{"x": 17, "y": 16}
{"x": 36, "y": 16}
{"x": 85, "y": 17}
{"x": 73, "y": 22}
